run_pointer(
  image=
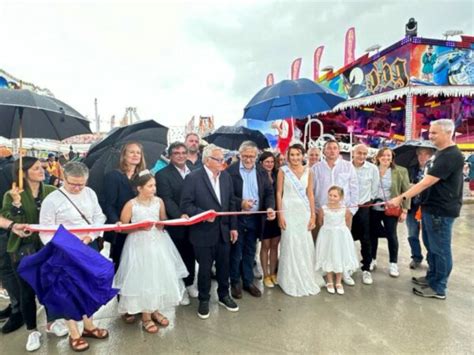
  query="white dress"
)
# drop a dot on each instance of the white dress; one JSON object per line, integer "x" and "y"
{"x": 151, "y": 269}
{"x": 296, "y": 273}
{"x": 335, "y": 249}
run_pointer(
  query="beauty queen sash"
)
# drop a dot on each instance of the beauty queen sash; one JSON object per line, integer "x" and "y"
{"x": 300, "y": 189}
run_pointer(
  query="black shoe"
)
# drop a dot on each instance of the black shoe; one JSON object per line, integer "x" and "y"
{"x": 236, "y": 291}
{"x": 13, "y": 323}
{"x": 5, "y": 313}
{"x": 229, "y": 304}
{"x": 253, "y": 290}
{"x": 203, "y": 310}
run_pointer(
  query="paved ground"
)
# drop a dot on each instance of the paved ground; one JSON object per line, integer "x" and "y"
{"x": 383, "y": 318}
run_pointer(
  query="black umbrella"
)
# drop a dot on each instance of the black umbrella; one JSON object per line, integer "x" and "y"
{"x": 231, "y": 137}
{"x": 405, "y": 154}
{"x": 104, "y": 156}
{"x": 24, "y": 113}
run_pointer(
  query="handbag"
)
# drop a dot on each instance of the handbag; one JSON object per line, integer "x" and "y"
{"x": 390, "y": 211}
{"x": 99, "y": 240}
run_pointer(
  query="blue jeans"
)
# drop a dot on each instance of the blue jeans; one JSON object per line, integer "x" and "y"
{"x": 414, "y": 236}
{"x": 436, "y": 234}
{"x": 242, "y": 253}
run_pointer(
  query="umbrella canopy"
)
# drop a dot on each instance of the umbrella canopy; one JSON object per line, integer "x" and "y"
{"x": 70, "y": 278}
{"x": 104, "y": 156}
{"x": 231, "y": 137}
{"x": 38, "y": 116}
{"x": 291, "y": 98}
{"x": 405, "y": 154}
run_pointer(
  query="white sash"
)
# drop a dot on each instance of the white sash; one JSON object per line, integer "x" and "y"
{"x": 300, "y": 189}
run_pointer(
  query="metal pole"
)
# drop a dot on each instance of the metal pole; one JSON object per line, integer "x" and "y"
{"x": 97, "y": 121}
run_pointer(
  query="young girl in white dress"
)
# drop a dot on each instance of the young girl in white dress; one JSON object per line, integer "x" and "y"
{"x": 335, "y": 250}
{"x": 151, "y": 270}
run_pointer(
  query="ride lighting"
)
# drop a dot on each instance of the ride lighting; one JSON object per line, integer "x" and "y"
{"x": 411, "y": 28}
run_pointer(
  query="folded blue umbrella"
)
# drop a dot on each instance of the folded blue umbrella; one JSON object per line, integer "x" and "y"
{"x": 70, "y": 278}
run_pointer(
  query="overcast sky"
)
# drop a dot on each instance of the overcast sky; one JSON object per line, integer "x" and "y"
{"x": 173, "y": 60}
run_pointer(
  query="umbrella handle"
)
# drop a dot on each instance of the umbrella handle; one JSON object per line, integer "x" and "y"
{"x": 20, "y": 165}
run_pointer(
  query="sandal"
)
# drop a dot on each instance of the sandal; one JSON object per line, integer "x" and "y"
{"x": 96, "y": 333}
{"x": 150, "y": 327}
{"x": 160, "y": 319}
{"x": 128, "y": 318}
{"x": 78, "y": 345}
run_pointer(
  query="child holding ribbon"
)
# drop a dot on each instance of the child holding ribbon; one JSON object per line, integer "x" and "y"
{"x": 151, "y": 269}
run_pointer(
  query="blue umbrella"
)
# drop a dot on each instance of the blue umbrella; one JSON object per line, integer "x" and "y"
{"x": 291, "y": 98}
{"x": 70, "y": 278}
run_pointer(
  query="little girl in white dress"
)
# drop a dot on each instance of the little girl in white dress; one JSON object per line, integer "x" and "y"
{"x": 151, "y": 269}
{"x": 335, "y": 250}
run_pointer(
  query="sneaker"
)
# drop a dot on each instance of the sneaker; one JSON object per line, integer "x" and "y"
{"x": 339, "y": 289}
{"x": 34, "y": 341}
{"x": 393, "y": 270}
{"x": 421, "y": 281}
{"x": 428, "y": 292}
{"x": 373, "y": 265}
{"x": 58, "y": 328}
{"x": 348, "y": 280}
{"x": 367, "y": 278}
{"x": 4, "y": 294}
{"x": 229, "y": 304}
{"x": 192, "y": 291}
{"x": 185, "y": 301}
{"x": 267, "y": 281}
{"x": 415, "y": 264}
{"x": 203, "y": 310}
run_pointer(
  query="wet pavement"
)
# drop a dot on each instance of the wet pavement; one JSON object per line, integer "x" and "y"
{"x": 382, "y": 318}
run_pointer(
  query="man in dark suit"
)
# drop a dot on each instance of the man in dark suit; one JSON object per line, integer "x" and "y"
{"x": 169, "y": 185}
{"x": 253, "y": 192}
{"x": 210, "y": 188}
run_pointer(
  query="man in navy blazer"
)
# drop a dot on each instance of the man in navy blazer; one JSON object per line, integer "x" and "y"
{"x": 253, "y": 192}
{"x": 210, "y": 188}
{"x": 169, "y": 186}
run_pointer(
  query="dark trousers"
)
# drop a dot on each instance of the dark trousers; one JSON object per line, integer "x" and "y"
{"x": 186, "y": 251}
{"x": 242, "y": 253}
{"x": 116, "y": 247}
{"x": 384, "y": 226}
{"x": 7, "y": 275}
{"x": 27, "y": 301}
{"x": 361, "y": 232}
{"x": 206, "y": 256}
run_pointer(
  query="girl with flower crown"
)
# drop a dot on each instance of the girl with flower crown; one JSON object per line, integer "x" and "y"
{"x": 151, "y": 270}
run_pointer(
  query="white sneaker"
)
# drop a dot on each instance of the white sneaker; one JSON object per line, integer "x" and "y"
{"x": 4, "y": 294}
{"x": 192, "y": 291}
{"x": 58, "y": 328}
{"x": 394, "y": 270}
{"x": 367, "y": 278}
{"x": 348, "y": 280}
{"x": 185, "y": 301}
{"x": 34, "y": 341}
{"x": 373, "y": 265}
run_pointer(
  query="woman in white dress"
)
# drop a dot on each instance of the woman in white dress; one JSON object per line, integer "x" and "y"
{"x": 296, "y": 274}
{"x": 151, "y": 270}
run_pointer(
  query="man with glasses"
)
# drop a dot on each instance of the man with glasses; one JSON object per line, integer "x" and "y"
{"x": 253, "y": 192}
{"x": 210, "y": 188}
{"x": 169, "y": 185}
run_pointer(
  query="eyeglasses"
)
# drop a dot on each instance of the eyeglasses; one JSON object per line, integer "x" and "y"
{"x": 250, "y": 157}
{"x": 219, "y": 160}
{"x": 179, "y": 153}
{"x": 77, "y": 186}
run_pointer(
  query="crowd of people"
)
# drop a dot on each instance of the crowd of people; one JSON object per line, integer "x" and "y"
{"x": 306, "y": 212}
